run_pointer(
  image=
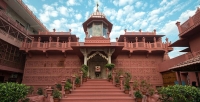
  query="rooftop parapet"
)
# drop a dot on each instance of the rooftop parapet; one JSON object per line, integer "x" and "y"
{"x": 140, "y": 32}
{"x": 190, "y": 24}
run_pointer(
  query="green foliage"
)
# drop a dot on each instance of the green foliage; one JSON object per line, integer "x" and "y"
{"x": 117, "y": 79}
{"x": 68, "y": 86}
{"x": 144, "y": 86}
{"x": 109, "y": 76}
{"x": 12, "y": 92}
{"x": 126, "y": 84}
{"x": 56, "y": 94}
{"x": 77, "y": 80}
{"x": 59, "y": 86}
{"x": 69, "y": 80}
{"x": 138, "y": 94}
{"x": 84, "y": 72}
{"x": 30, "y": 89}
{"x": 135, "y": 84}
{"x": 40, "y": 91}
{"x": 179, "y": 93}
{"x": 110, "y": 66}
{"x": 85, "y": 67}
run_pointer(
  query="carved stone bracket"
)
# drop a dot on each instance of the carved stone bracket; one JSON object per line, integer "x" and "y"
{"x": 94, "y": 54}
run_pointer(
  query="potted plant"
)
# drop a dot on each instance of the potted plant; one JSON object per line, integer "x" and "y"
{"x": 56, "y": 95}
{"x": 126, "y": 87}
{"x": 135, "y": 85}
{"x": 117, "y": 81}
{"x": 110, "y": 77}
{"x": 59, "y": 87}
{"x": 40, "y": 91}
{"x": 138, "y": 96}
{"x": 144, "y": 86}
{"x": 110, "y": 66}
{"x": 84, "y": 74}
{"x": 68, "y": 86}
{"x": 77, "y": 82}
{"x": 30, "y": 90}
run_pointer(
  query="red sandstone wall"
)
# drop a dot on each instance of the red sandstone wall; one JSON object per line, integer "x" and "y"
{"x": 164, "y": 66}
{"x": 141, "y": 67}
{"x": 40, "y": 70}
{"x": 194, "y": 42}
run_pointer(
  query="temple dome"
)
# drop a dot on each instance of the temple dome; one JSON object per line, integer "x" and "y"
{"x": 97, "y": 14}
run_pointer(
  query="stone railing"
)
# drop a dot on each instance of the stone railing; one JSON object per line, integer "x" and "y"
{"x": 15, "y": 25}
{"x": 191, "y": 23}
{"x": 146, "y": 97}
{"x": 48, "y": 45}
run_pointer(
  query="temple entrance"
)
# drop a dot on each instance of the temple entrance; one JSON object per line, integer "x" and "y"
{"x": 97, "y": 60}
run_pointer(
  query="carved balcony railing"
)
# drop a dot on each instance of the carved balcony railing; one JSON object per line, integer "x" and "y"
{"x": 67, "y": 45}
{"x": 191, "y": 23}
{"x": 48, "y": 45}
{"x": 14, "y": 24}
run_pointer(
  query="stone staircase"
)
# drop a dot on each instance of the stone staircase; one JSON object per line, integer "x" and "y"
{"x": 97, "y": 90}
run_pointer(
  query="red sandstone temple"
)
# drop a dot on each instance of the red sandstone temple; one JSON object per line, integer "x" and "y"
{"x": 32, "y": 55}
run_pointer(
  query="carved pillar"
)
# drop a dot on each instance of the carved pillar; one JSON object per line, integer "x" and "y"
{"x": 81, "y": 75}
{"x": 69, "y": 41}
{"x": 124, "y": 41}
{"x": 179, "y": 27}
{"x": 131, "y": 87}
{"x": 63, "y": 84}
{"x": 154, "y": 31}
{"x": 136, "y": 42}
{"x": 110, "y": 52}
{"x": 57, "y": 43}
{"x": 108, "y": 34}
{"x": 32, "y": 40}
{"x": 49, "y": 93}
{"x": 155, "y": 44}
{"x": 24, "y": 44}
{"x": 73, "y": 81}
{"x": 50, "y": 39}
{"x": 179, "y": 77}
{"x": 77, "y": 41}
{"x": 121, "y": 81}
{"x": 39, "y": 39}
{"x": 113, "y": 76}
{"x": 84, "y": 52}
{"x": 143, "y": 40}
{"x": 117, "y": 41}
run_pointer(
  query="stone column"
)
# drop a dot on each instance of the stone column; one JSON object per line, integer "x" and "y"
{"x": 84, "y": 52}
{"x": 73, "y": 82}
{"x": 81, "y": 75}
{"x": 113, "y": 76}
{"x": 179, "y": 27}
{"x": 57, "y": 43}
{"x": 110, "y": 52}
{"x": 131, "y": 87}
{"x": 38, "y": 45}
{"x": 49, "y": 93}
{"x": 63, "y": 88}
{"x": 109, "y": 58}
{"x": 69, "y": 40}
{"x": 121, "y": 81}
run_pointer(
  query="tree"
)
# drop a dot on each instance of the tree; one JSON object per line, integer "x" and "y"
{"x": 179, "y": 93}
{"x": 13, "y": 92}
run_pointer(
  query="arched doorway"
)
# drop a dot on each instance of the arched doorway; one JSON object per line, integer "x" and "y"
{"x": 97, "y": 60}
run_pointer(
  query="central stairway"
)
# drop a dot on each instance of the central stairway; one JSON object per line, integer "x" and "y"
{"x": 97, "y": 90}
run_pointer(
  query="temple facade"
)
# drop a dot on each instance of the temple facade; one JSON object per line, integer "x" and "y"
{"x": 35, "y": 56}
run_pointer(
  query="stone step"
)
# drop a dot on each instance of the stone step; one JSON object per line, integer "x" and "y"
{"x": 94, "y": 91}
{"x": 100, "y": 86}
{"x": 104, "y": 95}
{"x": 99, "y": 99}
{"x": 98, "y": 89}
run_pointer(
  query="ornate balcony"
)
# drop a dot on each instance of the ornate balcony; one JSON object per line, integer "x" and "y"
{"x": 44, "y": 46}
{"x": 190, "y": 24}
{"x": 10, "y": 26}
